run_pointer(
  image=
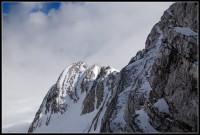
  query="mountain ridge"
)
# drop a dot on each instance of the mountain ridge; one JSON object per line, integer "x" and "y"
{"x": 155, "y": 92}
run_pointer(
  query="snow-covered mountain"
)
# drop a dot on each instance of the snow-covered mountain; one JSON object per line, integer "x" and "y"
{"x": 155, "y": 92}
{"x": 77, "y": 101}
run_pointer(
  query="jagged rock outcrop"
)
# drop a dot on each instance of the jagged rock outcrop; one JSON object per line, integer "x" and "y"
{"x": 161, "y": 80}
{"x": 155, "y": 92}
{"x": 176, "y": 69}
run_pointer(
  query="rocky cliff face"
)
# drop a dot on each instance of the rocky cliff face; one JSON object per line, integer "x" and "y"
{"x": 159, "y": 85}
{"x": 155, "y": 92}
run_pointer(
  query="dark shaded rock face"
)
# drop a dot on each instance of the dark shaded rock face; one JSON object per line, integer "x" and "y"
{"x": 155, "y": 92}
{"x": 176, "y": 69}
{"x": 160, "y": 82}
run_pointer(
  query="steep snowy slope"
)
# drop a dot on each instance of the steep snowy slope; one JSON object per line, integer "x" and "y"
{"x": 134, "y": 87}
{"x": 155, "y": 92}
{"x": 77, "y": 101}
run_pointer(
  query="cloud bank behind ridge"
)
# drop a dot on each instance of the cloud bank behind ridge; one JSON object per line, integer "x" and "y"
{"x": 38, "y": 45}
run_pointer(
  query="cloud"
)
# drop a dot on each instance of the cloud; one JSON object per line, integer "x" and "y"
{"x": 37, "y": 18}
{"x": 38, "y": 45}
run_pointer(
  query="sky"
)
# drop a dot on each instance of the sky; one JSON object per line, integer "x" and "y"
{"x": 40, "y": 39}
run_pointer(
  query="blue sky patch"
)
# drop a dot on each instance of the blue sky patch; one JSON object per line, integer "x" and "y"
{"x": 6, "y": 6}
{"x": 47, "y": 6}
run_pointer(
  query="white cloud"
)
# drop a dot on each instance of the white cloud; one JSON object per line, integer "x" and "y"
{"x": 37, "y": 18}
{"x": 38, "y": 46}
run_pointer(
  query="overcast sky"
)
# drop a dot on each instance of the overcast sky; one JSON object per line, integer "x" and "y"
{"x": 39, "y": 41}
